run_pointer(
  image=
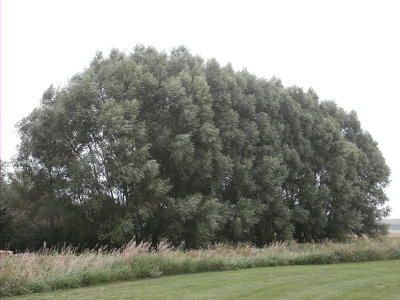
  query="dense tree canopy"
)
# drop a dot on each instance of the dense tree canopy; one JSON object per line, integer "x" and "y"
{"x": 153, "y": 145}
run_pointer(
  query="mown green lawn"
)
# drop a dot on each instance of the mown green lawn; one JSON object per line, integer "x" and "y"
{"x": 370, "y": 280}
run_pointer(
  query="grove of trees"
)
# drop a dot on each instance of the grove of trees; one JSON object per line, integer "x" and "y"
{"x": 151, "y": 145}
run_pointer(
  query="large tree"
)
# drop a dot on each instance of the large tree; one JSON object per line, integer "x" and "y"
{"x": 154, "y": 145}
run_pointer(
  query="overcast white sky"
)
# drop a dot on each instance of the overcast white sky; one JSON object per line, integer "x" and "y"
{"x": 348, "y": 51}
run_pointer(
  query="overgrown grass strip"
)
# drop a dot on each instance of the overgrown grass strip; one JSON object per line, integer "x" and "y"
{"x": 65, "y": 269}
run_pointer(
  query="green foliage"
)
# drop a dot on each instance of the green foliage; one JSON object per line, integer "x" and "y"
{"x": 153, "y": 145}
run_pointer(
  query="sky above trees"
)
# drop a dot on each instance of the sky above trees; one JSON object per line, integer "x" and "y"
{"x": 347, "y": 52}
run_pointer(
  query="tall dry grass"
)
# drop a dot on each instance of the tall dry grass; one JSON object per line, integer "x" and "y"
{"x": 52, "y": 269}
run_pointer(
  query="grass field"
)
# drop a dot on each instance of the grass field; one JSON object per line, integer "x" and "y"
{"x": 52, "y": 270}
{"x": 369, "y": 280}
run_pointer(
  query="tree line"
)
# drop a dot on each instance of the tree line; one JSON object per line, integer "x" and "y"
{"x": 152, "y": 145}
